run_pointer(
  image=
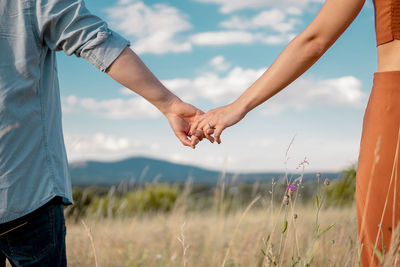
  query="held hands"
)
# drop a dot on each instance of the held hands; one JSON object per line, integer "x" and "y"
{"x": 191, "y": 125}
{"x": 217, "y": 120}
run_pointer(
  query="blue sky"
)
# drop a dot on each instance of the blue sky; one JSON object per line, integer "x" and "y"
{"x": 208, "y": 52}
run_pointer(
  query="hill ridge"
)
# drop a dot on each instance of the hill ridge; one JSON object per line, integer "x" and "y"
{"x": 146, "y": 169}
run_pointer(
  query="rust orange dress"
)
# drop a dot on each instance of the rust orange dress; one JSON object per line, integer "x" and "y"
{"x": 378, "y": 181}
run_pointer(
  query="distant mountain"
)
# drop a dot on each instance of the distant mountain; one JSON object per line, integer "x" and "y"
{"x": 145, "y": 170}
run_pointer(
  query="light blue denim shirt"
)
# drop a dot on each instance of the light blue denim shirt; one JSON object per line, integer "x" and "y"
{"x": 33, "y": 162}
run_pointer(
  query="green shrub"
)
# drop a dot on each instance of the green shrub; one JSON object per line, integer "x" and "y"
{"x": 342, "y": 192}
{"x": 152, "y": 198}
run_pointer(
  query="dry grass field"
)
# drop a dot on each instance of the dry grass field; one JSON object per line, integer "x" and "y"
{"x": 266, "y": 232}
{"x": 214, "y": 239}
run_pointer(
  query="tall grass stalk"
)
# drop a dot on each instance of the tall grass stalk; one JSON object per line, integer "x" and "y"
{"x": 89, "y": 233}
{"x": 237, "y": 228}
{"x": 185, "y": 246}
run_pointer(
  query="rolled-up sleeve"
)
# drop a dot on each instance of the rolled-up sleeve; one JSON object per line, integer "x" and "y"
{"x": 67, "y": 25}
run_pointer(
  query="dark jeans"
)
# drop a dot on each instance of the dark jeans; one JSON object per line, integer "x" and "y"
{"x": 38, "y": 239}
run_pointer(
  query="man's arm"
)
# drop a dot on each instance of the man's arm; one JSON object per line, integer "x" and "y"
{"x": 67, "y": 25}
{"x": 131, "y": 72}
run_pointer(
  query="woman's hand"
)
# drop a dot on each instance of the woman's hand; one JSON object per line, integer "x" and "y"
{"x": 217, "y": 120}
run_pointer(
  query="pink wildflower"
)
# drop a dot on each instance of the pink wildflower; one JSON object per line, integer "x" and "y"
{"x": 291, "y": 188}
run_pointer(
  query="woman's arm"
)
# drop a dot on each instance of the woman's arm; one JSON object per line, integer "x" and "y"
{"x": 300, "y": 54}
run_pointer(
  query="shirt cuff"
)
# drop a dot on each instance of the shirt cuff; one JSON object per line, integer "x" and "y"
{"x": 106, "y": 51}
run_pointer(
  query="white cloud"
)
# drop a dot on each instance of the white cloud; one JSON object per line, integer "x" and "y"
{"x": 161, "y": 28}
{"x": 98, "y": 141}
{"x": 305, "y": 93}
{"x": 219, "y": 64}
{"x": 272, "y": 27}
{"x": 274, "y": 19}
{"x": 125, "y": 91}
{"x": 103, "y": 146}
{"x": 263, "y": 142}
{"x": 155, "y": 28}
{"x": 116, "y": 108}
{"x": 277, "y": 39}
{"x": 223, "y": 38}
{"x": 212, "y": 87}
{"x": 229, "y": 6}
{"x": 294, "y": 11}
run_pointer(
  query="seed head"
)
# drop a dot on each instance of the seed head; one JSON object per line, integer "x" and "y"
{"x": 327, "y": 182}
{"x": 318, "y": 175}
{"x": 286, "y": 200}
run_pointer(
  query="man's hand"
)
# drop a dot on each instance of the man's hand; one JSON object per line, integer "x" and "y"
{"x": 181, "y": 116}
